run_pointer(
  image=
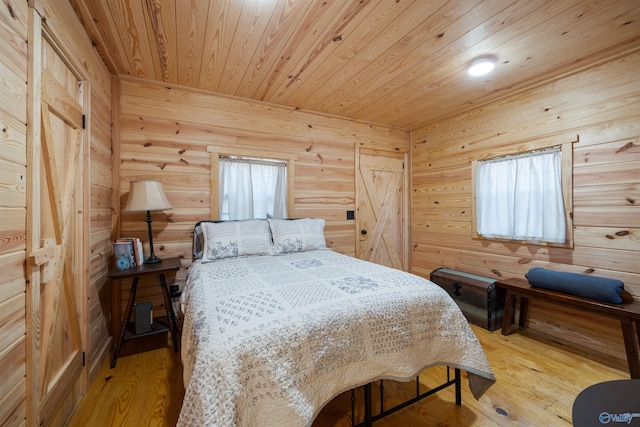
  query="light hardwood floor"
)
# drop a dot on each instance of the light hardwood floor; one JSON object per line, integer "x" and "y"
{"x": 537, "y": 382}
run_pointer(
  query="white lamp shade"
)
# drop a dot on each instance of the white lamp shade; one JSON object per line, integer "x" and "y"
{"x": 146, "y": 196}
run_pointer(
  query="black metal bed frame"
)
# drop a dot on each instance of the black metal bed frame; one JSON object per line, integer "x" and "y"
{"x": 369, "y": 418}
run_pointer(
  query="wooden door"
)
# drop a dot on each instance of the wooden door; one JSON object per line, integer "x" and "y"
{"x": 56, "y": 239}
{"x": 381, "y": 208}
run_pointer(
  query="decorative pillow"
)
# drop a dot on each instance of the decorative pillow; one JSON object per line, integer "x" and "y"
{"x": 593, "y": 287}
{"x": 235, "y": 238}
{"x": 297, "y": 235}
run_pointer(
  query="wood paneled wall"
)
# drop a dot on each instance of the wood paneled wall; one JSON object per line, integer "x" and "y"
{"x": 164, "y": 132}
{"x": 13, "y": 203}
{"x": 601, "y": 107}
{"x": 100, "y": 227}
{"x": 62, "y": 23}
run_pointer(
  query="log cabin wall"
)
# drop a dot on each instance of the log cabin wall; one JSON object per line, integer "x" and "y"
{"x": 601, "y": 106}
{"x": 62, "y": 23}
{"x": 164, "y": 131}
{"x": 13, "y": 204}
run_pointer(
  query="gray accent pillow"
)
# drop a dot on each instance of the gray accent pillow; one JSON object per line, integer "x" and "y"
{"x": 235, "y": 238}
{"x": 297, "y": 235}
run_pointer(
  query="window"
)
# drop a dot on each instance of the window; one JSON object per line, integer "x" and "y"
{"x": 524, "y": 197}
{"x": 251, "y": 183}
{"x": 252, "y": 188}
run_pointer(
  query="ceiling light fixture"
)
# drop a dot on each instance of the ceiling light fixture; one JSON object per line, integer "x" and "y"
{"x": 481, "y": 66}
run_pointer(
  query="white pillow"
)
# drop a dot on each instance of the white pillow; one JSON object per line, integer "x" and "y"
{"x": 235, "y": 238}
{"x": 297, "y": 235}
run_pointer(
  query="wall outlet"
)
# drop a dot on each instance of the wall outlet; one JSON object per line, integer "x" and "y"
{"x": 174, "y": 291}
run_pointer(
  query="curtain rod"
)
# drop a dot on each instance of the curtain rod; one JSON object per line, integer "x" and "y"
{"x": 557, "y": 148}
{"x": 252, "y": 160}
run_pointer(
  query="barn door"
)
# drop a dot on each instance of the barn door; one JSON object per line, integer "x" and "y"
{"x": 381, "y": 208}
{"x": 55, "y": 227}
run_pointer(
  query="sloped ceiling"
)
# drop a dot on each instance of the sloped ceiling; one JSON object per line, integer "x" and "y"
{"x": 395, "y": 62}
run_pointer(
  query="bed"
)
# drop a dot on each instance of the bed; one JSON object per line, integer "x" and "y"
{"x": 276, "y": 325}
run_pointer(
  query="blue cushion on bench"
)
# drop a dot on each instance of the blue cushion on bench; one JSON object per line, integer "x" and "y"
{"x": 593, "y": 287}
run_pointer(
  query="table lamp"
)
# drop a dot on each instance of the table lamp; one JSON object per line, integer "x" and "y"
{"x": 147, "y": 196}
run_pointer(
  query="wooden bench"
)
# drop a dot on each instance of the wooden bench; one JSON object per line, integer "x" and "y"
{"x": 628, "y": 313}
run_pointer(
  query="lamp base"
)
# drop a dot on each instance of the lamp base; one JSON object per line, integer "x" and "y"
{"x": 152, "y": 259}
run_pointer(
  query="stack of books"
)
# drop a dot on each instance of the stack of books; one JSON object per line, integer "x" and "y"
{"x": 128, "y": 253}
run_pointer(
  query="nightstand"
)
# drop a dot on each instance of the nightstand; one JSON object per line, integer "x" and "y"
{"x": 160, "y": 324}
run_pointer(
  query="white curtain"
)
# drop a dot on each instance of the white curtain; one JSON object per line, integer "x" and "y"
{"x": 252, "y": 189}
{"x": 280, "y": 196}
{"x": 520, "y": 198}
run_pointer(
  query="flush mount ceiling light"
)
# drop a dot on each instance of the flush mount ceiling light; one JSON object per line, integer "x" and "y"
{"x": 481, "y": 66}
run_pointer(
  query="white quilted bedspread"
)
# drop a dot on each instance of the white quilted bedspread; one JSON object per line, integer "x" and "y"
{"x": 269, "y": 340}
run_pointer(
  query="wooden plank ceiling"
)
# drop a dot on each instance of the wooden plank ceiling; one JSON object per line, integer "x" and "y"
{"x": 395, "y": 62}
